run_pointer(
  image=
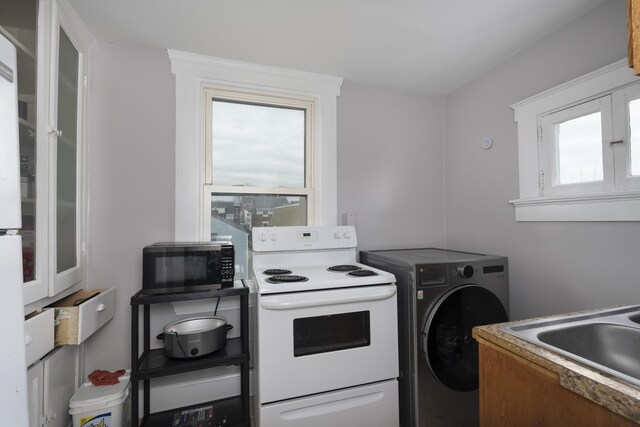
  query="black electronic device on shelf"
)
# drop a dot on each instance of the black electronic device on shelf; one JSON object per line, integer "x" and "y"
{"x": 174, "y": 267}
{"x": 153, "y": 363}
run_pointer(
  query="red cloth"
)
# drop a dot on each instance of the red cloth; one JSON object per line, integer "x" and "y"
{"x": 99, "y": 377}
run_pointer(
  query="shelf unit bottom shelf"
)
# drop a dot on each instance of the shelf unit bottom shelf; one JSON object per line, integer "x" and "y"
{"x": 225, "y": 413}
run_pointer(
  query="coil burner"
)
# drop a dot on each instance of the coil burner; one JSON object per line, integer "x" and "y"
{"x": 276, "y": 272}
{"x": 343, "y": 268}
{"x": 287, "y": 278}
{"x": 362, "y": 273}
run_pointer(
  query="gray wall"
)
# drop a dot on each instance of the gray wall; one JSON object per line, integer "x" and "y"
{"x": 131, "y": 180}
{"x": 390, "y": 174}
{"x": 554, "y": 267}
{"x": 390, "y": 169}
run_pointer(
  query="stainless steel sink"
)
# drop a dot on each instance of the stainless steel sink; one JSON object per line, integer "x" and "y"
{"x": 607, "y": 340}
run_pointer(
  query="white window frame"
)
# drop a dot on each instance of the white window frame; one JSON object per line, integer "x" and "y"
{"x": 549, "y": 159}
{"x": 210, "y": 187}
{"x": 613, "y": 201}
{"x": 195, "y": 72}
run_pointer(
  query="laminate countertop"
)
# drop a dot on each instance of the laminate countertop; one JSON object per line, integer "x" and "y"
{"x": 599, "y": 387}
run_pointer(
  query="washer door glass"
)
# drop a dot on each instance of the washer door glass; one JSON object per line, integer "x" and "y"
{"x": 449, "y": 349}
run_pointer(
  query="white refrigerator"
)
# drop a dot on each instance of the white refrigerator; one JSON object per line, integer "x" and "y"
{"x": 13, "y": 369}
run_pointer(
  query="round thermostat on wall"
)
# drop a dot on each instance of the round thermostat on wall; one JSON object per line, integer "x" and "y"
{"x": 487, "y": 143}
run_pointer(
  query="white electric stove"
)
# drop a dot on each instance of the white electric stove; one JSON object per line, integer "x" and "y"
{"x": 327, "y": 331}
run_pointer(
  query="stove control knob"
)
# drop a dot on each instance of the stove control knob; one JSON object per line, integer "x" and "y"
{"x": 466, "y": 271}
{"x": 337, "y": 235}
{"x": 274, "y": 237}
{"x": 263, "y": 237}
{"x": 347, "y": 235}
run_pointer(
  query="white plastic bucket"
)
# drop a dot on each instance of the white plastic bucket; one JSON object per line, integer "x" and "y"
{"x": 102, "y": 406}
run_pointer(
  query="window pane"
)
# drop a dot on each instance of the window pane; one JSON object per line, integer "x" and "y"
{"x": 257, "y": 145}
{"x": 579, "y": 145}
{"x": 634, "y": 126}
{"x": 234, "y": 215}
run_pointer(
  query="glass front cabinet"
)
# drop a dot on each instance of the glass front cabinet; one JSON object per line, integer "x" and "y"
{"x": 52, "y": 48}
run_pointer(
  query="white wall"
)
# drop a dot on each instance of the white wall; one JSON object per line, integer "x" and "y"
{"x": 390, "y": 169}
{"x": 131, "y": 180}
{"x": 554, "y": 267}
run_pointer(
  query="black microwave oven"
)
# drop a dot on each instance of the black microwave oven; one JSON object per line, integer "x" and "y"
{"x": 187, "y": 266}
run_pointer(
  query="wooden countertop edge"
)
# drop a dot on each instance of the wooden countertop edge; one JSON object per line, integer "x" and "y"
{"x": 613, "y": 394}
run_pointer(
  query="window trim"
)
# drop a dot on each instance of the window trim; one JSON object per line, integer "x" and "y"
{"x": 195, "y": 72}
{"x": 600, "y": 206}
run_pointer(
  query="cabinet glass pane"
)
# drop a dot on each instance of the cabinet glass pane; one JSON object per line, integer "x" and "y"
{"x": 634, "y": 143}
{"x": 66, "y": 221}
{"x": 579, "y": 147}
{"x": 18, "y": 23}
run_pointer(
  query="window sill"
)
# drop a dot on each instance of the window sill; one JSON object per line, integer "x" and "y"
{"x": 614, "y": 206}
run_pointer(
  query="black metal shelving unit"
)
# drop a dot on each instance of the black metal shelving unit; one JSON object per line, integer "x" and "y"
{"x": 232, "y": 411}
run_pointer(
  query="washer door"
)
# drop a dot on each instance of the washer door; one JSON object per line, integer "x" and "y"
{"x": 449, "y": 349}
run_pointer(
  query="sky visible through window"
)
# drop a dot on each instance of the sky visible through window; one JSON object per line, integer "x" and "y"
{"x": 257, "y": 146}
{"x": 579, "y": 144}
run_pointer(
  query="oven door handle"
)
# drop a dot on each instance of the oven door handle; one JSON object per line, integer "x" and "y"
{"x": 289, "y": 303}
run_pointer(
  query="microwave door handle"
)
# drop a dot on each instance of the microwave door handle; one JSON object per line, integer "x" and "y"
{"x": 279, "y": 303}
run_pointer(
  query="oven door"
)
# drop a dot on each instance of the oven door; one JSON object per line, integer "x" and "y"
{"x": 312, "y": 342}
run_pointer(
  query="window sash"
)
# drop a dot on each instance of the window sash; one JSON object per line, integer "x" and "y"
{"x": 259, "y": 99}
{"x": 622, "y": 135}
{"x": 209, "y": 187}
{"x": 548, "y": 152}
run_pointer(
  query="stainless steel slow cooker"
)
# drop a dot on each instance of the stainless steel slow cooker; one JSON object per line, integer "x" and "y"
{"x": 194, "y": 337}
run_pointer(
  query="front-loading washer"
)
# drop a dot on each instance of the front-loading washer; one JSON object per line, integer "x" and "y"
{"x": 442, "y": 295}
